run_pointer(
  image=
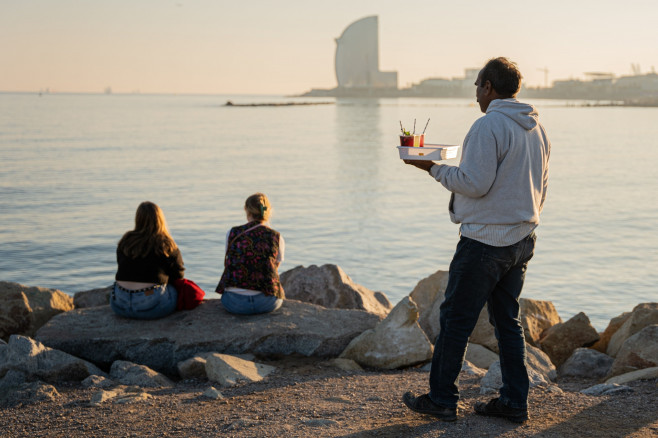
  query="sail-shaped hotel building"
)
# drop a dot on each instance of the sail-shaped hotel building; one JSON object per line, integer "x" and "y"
{"x": 357, "y": 59}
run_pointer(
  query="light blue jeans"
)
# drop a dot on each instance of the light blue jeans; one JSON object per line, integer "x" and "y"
{"x": 153, "y": 303}
{"x": 250, "y": 304}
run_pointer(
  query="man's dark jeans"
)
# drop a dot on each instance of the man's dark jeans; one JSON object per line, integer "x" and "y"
{"x": 480, "y": 274}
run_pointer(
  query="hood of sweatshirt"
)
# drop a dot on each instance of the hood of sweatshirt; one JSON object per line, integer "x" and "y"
{"x": 522, "y": 113}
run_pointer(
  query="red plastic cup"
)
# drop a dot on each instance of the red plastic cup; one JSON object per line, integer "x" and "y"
{"x": 417, "y": 140}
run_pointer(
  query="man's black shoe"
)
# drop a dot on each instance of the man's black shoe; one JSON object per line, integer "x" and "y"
{"x": 424, "y": 405}
{"x": 496, "y": 408}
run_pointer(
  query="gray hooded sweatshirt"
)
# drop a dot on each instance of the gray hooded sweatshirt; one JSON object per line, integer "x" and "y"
{"x": 502, "y": 177}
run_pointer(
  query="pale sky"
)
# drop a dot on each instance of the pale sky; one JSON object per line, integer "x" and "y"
{"x": 288, "y": 47}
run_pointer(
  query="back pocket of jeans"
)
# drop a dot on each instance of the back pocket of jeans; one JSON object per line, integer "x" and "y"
{"x": 145, "y": 301}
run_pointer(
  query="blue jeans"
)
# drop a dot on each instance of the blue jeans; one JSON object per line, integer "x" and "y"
{"x": 150, "y": 304}
{"x": 480, "y": 274}
{"x": 250, "y": 304}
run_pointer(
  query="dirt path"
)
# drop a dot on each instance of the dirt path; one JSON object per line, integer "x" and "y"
{"x": 305, "y": 399}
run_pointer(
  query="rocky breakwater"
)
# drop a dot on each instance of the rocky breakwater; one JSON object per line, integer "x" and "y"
{"x": 195, "y": 344}
{"x": 96, "y": 334}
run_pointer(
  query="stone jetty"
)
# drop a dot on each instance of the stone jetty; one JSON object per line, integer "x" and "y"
{"x": 46, "y": 340}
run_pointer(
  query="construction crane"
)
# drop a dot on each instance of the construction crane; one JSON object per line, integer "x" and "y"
{"x": 545, "y": 70}
{"x": 635, "y": 68}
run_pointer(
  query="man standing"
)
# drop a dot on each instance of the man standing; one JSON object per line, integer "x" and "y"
{"x": 498, "y": 191}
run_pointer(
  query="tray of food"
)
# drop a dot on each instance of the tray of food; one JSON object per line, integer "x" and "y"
{"x": 413, "y": 147}
{"x": 430, "y": 152}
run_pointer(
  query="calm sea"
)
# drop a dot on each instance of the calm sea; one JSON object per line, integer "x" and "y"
{"x": 75, "y": 167}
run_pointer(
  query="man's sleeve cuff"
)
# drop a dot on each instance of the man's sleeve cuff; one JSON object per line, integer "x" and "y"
{"x": 434, "y": 170}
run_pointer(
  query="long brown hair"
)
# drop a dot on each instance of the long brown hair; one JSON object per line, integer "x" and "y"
{"x": 150, "y": 234}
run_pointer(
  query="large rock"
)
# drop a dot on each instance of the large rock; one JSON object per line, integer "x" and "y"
{"x": 428, "y": 295}
{"x": 480, "y": 356}
{"x": 192, "y": 368}
{"x": 98, "y": 335}
{"x": 92, "y": 298}
{"x": 536, "y": 317}
{"x": 540, "y": 362}
{"x": 15, "y": 314}
{"x": 396, "y": 342}
{"x": 604, "y": 338}
{"x": 329, "y": 286}
{"x": 27, "y": 393}
{"x": 586, "y": 363}
{"x": 484, "y": 332}
{"x": 42, "y": 304}
{"x": 643, "y": 315}
{"x": 644, "y": 374}
{"x": 36, "y": 360}
{"x": 128, "y": 373}
{"x": 493, "y": 380}
{"x": 230, "y": 370}
{"x": 562, "y": 339}
{"x": 638, "y": 352}
{"x": 606, "y": 389}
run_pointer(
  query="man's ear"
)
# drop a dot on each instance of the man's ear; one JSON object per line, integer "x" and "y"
{"x": 488, "y": 88}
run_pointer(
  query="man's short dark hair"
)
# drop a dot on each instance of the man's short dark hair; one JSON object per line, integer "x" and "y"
{"x": 504, "y": 76}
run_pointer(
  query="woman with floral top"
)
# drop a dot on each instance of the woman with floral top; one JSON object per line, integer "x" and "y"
{"x": 250, "y": 283}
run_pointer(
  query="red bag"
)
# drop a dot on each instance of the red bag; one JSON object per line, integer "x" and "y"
{"x": 189, "y": 294}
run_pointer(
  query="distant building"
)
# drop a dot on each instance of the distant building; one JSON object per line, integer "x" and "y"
{"x": 441, "y": 87}
{"x": 357, "y": 57}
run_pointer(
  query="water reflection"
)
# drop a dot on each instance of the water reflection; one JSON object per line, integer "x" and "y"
{"x": 359, "y": 140}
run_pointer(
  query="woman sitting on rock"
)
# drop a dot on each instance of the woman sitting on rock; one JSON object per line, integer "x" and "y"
{"x": 148, "y": 261}
{"x": 250, "y": 282}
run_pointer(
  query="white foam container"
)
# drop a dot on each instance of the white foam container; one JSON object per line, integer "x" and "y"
{"x": 429, "y": 152}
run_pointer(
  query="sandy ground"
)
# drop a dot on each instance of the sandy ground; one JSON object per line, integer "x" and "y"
{"x": 307, "y": 399}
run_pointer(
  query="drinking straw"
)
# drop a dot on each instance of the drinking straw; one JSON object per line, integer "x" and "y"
{"x": 428, "y": 122}
{"x": 414, "y": 126}
{"x": 401, "y": 128}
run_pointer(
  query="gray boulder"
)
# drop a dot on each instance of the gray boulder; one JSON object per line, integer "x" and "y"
{"x": 428, "y": 295}
{"x": 24, "y": 309}
{"x": 38, "y": 361}
{"x": 606, "y": 389}
{"x": 643, "y": 374}
{"x": 562, "y": 339}
{"x": 28, "y": 393}
{"x": 614, "y": 325}
{"x": 540, "y": 362}
{"x": 642, "y": 315}
{"x": 128, "y": 373}
{"x": 230, "y": 370}
{"x": 98, "y": 335}
{"x": 493, "y": 380}
{"x": 396, "y": 342}
{"x": 484, "y": 332}
{"x": 15, "y": 314}
{"x": 536, "y": 318}
{"x": 638, "y": 352}
{"x": 329, "y": 286}
{"x": 586, "y": 363}
{"x": 92, "y": 298}
{"x": 473, "y": 370}
{"x": 480, "y": 356}
{"x": 12, "y": 379}
{"x": 192, "y": 368}
{"x": 97, "y": 382}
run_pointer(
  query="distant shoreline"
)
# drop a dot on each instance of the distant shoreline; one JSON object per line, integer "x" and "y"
{"x": 230, "y": 103}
